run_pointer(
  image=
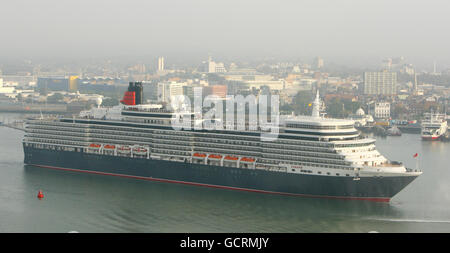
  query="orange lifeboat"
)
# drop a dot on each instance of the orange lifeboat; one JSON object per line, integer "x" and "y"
{"x": 94, "y": 145}
{"x": 247, "y": 160}
{"x": 109, "y": 147}
{"x": 124, "y": 149}
{"x": 215, "y": 156}
{"x": 199, "y": 155}
{"x": 231, "y": 158}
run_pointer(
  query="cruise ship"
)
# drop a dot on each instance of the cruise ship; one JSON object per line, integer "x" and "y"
{"x": 313, "y": 156}
{"x": 434, "y": 126}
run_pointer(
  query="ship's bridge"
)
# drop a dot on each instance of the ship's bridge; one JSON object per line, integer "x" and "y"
{"x": 317, "y": 126}
{"x": 317, "y": 123}
{"x": 323, "y": 128}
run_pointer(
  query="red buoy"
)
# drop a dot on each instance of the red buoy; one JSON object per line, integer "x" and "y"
{"x": 40, "y": 195}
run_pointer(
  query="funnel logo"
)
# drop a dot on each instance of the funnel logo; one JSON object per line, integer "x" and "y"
{"x": 232, "y": 113}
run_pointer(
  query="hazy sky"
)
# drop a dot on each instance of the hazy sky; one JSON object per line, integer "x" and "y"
{"x": 347, "y": 31}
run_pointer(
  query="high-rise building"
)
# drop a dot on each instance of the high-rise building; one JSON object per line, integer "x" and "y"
{"x": 150, "y": 90}
{"x": 220, "y": 67}
{"x": 434, "y": 68}
{"x": 415, "y": 83}
{"x": 163, "y": 92}
{"x": 211, "y": 67}
{"x": 216, "y": 90}
{"x": 73, "y": 83}
{"x": 46, "y": 84}
{"x": 215, "y": 67}
{"x": 166, "y": 90}
{"x": 4, "y": 90}
{"x": 318, "y": 62}
{"x": 393, "y": 64}
{"x": 386, "y": 64}
{"x": 380, "y": 83}
{"x": 160, "y": 63}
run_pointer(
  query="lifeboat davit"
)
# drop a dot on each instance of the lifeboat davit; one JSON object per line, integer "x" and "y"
{"x": 247, "y": 160}
{"x": 231, "y": 158}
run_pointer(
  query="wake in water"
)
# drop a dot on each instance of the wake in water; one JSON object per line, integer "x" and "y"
{"x": 410, "y": 220}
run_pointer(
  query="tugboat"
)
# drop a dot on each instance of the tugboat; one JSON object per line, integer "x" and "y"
{"x": 379, "y": 130}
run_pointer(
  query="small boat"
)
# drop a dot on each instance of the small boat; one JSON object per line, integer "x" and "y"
{"x": 247, "y": 160}
{"x": 215, "y": 157}
{"x": 140, "y": 151}
{"x": 94, "y": 145}
{"x": 109, "y": 147}
{"x": 231, "y": 158}
{"x": 394, "y": 131}
{"x": 199, "y": 155}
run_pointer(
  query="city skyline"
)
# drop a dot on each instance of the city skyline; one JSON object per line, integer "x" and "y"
{"x": 352, "y": 33}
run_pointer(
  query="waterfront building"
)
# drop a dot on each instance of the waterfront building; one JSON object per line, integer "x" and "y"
{"x": 18, "y": 80}
{"x": 61, "y": 83}
{"x": 380, "y": 110}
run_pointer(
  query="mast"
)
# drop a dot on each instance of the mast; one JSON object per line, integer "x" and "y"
{"x": 316, "y": 106}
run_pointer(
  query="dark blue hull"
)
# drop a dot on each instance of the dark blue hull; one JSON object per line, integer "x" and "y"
{"x": 367, "y": 188}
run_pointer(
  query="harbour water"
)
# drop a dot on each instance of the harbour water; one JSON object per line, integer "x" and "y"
{"x": 95, "y": 203}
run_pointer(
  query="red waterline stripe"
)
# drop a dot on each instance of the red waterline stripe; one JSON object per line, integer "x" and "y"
{"x": 430, "y": 138}
{"x": 215, "y": 186}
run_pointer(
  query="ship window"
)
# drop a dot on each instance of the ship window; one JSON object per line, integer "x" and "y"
{"x": 337, "y": 174}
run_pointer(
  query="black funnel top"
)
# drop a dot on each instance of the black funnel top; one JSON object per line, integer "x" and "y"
{"x": 138, "y": 88}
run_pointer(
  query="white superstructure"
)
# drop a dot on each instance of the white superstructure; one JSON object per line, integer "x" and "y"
{"x": 434, "y": 126}
{"x": 312, "y": 145}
